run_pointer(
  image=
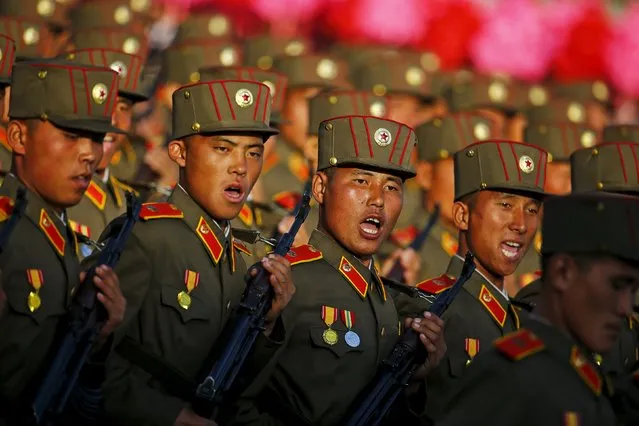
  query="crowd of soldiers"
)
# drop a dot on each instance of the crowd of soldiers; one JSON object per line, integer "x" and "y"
{"x": 410, "y": 169}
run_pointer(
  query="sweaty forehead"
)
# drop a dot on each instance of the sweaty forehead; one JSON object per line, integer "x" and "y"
{"x": 237, "y": 139}
{"x": 356, "y": 171}
{"x": 499, "y": 195}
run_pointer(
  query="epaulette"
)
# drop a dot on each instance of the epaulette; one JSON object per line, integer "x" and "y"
{"x": 303, "y": 254}
{"x": 287, "y": 199}
{"x": 528, "y": 277}
{"x": 241, "y": 247}
{"x": 298, "y": 166}
{"x": 160, "y": 211}
{"x": 437, "y": 285}
{"x": 519, "y": 344}
{"x": 6, "y": 208}
{"x": 78, "y": 228}
{"x": 404, "y": 236}
{"x": 125, "y": 187}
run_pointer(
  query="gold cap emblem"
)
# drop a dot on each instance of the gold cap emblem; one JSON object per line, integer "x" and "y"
{"x": 497, "y": 92}
{"x": 294, "y": 48}
{"x": 326, "y": 69}
{"x": 481, "y": 131}
{"x": 537, "y": 96}
{"x": 140, "y": 5}
{"x": 378, "y": 109}
{"x": 31, "y": 36}
{"x": 120, "y": 68}
{"x": 122, "y": 15}
{"x": 526, "y": 164}
{"x": 218, "y": 25}
{"x": 576, "y": 112}
{"x": 415, "y": 76}
{"x": 99, "y": 93}
{"x": 265, "y": 63}
{"x": 271, "y": 86}
{"x": 45, "y": 8}
{"x": 429, "y": 61}
{"x": 382, "y": 137}
{"x": 600, "y": 91}
{"x": 588, "y": 139}
{"x": 228, "y": 56}
{"x": 244, "y": 98}
{"x": 131, "y": 46}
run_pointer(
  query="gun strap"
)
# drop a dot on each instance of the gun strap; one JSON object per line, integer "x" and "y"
{"x": 173, "y": 381}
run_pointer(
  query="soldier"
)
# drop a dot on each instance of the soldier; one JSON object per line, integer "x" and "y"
{"x": 105, "y": 198}
{"x": 7, "y": 56}
{"x": 59, "y": 112}
{"x": 498, "y": 187}
{"x": 182, "y": 273}
{"x": 593, "y": 95}
{"x": 441, "y": 137}
{"x": 589, "y": 282}
{"x": 560, "y": 140}
{"x": 347, "y": 325}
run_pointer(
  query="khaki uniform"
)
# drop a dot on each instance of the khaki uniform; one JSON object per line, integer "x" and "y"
{"x": 181, "y": 274}
{"x": 40, "y": 264}
{"x": 344, "y": 328}
{"x": 542, "y": 355}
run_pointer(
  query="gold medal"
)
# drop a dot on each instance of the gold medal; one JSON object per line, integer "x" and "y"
{"x": 184, "y": 300}
{"x": 33, "y": 301}
{"x": 330, "y": 336}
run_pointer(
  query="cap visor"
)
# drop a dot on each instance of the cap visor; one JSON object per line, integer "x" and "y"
{"x": 135, "y": 97}
{"x": 87, "y": 125}
{"x": 215, "y": 129}
{"x": 388, "y": 168}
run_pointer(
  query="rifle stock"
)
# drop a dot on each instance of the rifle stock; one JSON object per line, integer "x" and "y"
{"x": 86, "y": 318}
{"x": 395, "y": 372}
{"x": 243, "y": 329}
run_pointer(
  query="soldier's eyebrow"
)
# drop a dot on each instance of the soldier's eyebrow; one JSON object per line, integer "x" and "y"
{"x": 357, "y": 172}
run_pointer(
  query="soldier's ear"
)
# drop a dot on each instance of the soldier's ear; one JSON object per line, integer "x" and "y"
{"x": 562, "y": 270}
{"x": 424, "y": 176}
{"x": 177, "y": 152}
{"x": 461, "y": 215}
{"x": 17, "y": 136}
{"x": 319, "y": 185}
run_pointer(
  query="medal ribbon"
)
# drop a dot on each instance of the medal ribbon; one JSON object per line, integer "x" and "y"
{"x": 191, "y": 279}
{"x": 329, "y": 315}
{"x": 348, "y": 318}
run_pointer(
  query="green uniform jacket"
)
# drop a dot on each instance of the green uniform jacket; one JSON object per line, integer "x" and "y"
{"x": 536, "y": 376}
{"x": 177, "y": 248}
{"x": 40, "y": 258}
{"x": 284, "y": 171}
{"x": 101, "y": 203}
{"x": 478, "y": 315}
{"x": 312, "y": 381}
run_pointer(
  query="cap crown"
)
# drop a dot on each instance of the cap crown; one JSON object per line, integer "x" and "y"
{"x": 343, "y": 102}
{"x": 611, "y": 167}
{"x": 560, "y": 139}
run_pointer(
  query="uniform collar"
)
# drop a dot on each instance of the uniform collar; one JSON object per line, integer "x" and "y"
{"x": 348, "y": 266}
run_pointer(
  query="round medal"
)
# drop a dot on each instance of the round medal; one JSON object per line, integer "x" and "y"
{"x": 34, "y": 301}
{"x": 330, "y": 336}
{"x": 352, "y": 339}
{"x": 184, "y": 300}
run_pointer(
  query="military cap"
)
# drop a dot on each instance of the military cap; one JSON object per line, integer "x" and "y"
{"x": 48, "y": 11}
{"x": 102, "y": 13}
{"x": 585, "y": 91}
{"x": 557, "y": 111}
{"x": 386, "y": 77}
{"x": 366, "y": 141}
{"x": 261, "y": 51}
{"x": 204, "y": 26}
{"x": 275, "y": 81}
{"x": 7, "y": 57}
{"x": 560, "y": 140}
{"x": 621, "y": 132}
{"x": 70, "y": 95}
{"x": 443, "y": 136}
{"x": 25, "y": 33}
{"x": 502, "y": 166}
{"x": 359, "y": 54}
{"x": 605, "y": 224}
{"x": 128, "y": 41}
{"x": 129, "y": 68}
{"x": 610, "y": 167}
{"x": 338, "y": 103}
{"x": 222, "y": 106}
{"x": 182, "y": 62}
{"x": 313, "y": 71}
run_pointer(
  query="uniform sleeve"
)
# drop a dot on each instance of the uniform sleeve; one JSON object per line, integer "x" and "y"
{"x": 129, "y": 397}
{"x": 489, "y": 394}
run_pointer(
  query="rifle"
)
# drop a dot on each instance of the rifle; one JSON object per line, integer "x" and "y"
{"x": 243, "y": 329}
{"x": 397, "y": 272}
{"x": 19, "y": 207}
{"x": 86, "y": 318}
{"x": 396, "y": 370}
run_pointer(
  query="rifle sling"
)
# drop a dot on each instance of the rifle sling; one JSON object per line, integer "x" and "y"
{"x": 173, "y": 381}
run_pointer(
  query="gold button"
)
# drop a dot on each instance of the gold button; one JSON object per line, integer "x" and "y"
{"x": 187, "y": 94}
{"x": 44, "y": 116}
{"x": 42, "y": 74}
{"x": 333, "y": 161}
{"x": 196, "y": 127}
{"x": 470, "y": 153}
{"x": 600, "y": 185}
{"x": 328, "y": 126}
{"x": 483, "y": 185}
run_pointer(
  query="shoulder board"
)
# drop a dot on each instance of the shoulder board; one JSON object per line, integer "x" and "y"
{"x": 6, "y": 208}
{"x": 287, "y": 199}
{"x": 404, "y": 236}
{"x": 437, "y": 285}
{"x": 160, "y": 211}
{"x": 125, "y": 186}
{"x": 241, "y": 247}
{"x": 298, "y": 166}
{"x": 519, "y": 344}
{"x": 528, "y": 277}
{"x": 303, "y": 254}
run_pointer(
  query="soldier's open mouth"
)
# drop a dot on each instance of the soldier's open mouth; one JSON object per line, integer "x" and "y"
{"x": 512, "y": 249}
{"x": 371, "y": 226}
{"x": 234, "y": 193}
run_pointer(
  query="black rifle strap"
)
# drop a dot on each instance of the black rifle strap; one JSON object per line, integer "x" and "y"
{"x": 174, "y": 382}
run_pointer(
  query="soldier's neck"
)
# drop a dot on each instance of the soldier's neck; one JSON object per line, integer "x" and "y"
{"x": 496, "y": 280}
{"x": 17, "y": 172}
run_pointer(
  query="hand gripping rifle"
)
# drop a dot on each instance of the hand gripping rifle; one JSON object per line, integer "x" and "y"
{"x": 86, "y": 318}
{"x": 396, "y": 370}
{"x": 19, "y": 207}
{"x": 244, "y": 328}
{"x": 397, "y": 272}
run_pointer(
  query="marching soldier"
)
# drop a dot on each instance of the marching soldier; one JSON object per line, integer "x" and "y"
{"x": 59, "y": 112}
{"x": 182, "y": 272}
{"x": 591, "y": 274}
{"x": 105, "y": 198}
{"x": 560, "y": 140}
{"x": 498, "y": 188}
{"x": 441, "y": 137}
{"x": 347, "y": 325}
{"x": 7, "y": 55}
